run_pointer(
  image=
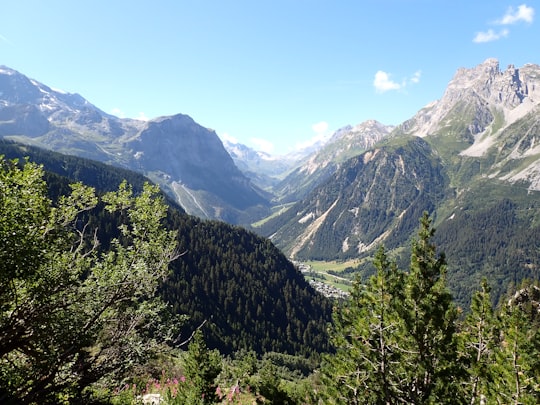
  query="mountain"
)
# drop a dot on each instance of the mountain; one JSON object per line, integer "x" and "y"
{"x": 261, "y": 168}
{"x": 316, "y": 167}
{"x": 186, "y": 159}
{"x": 488, "y": 118}
{"x": 372, "y": 198}
{"x": 267, "y": 171}
{"x": 471, "y": 159}
{"x": 250, "y": 296}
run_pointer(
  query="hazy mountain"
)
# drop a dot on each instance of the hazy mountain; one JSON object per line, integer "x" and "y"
{"x": 316, "y": 167}
{"x": 263, "y": 169}
{"x": 266, "y": 170}
{"x": 188, "y": 160}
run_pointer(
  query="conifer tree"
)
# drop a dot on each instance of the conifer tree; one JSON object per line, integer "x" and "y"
{"x": 202, "y": 366}
{"x": 479, "y": 341}
{"x": 516, "y": 371}
{"x": 366, "y": 336}
{"x": 430, "y": 345}
{"x": 395, "y": 339}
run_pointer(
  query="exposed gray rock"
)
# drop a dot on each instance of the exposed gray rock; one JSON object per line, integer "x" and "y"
{"x": 186, "y": 159}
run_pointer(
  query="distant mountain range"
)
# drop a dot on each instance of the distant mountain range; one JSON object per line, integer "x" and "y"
{"x": 471, "y": 158}
{"x": 186, "y": 159}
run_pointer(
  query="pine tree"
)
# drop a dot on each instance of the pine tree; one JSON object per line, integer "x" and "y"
{"x": 516, "y": 372}
{"x": 367, "y": 334}
{"x": 479, "y": 341}
{"x": 202, "y": 366}
{"x": 430, "y": 346}
{"x": 395, "y": 339}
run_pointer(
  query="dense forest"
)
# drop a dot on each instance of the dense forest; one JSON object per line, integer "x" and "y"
{"x": 252, "y": 296}
{"x": 245, "y": 291}
{"x": 96, "y": 286}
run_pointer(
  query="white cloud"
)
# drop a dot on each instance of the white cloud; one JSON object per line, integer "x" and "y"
{"x": 226, "y": 137}
{"x": 4, "y": 39}
{"x": 490, "y": 35}
{"x": 321, "y": 135}
{"x": 142, "y": 116}
{"x": 523, "y": 13}
{"x": 320, "y": 127}
{"x": 416, "y": 77}
{"x": 262, "y": 145}
{"x": 382, "y": 82}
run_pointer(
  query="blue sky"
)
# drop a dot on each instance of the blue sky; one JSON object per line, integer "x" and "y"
{"x": 271, "y": 74}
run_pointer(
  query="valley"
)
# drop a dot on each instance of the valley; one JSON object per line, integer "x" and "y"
{"x": 269, "y": 248}
{"x": 339, "y": 200}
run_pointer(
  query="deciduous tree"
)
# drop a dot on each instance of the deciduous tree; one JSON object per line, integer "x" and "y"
{"x": 71, "y": 313}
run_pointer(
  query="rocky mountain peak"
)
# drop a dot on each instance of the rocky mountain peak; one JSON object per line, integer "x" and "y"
{"x": 507, "y": 88}
{"x": 363, "y": 135}
{"x": 483, "y": 89}
{"x": 185, "y": 158}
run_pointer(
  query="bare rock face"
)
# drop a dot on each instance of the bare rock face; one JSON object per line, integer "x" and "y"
{"x": 507, "y": 89}
{"x": 485, "y": 89}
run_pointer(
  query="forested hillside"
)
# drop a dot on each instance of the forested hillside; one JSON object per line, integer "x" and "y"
{"x": 499, "y": 242}
{"x": 372, "y": 198}
{"x": 90, "y": 172}
{"x": 250, "y": 296}
{"x": 86, "y": 280}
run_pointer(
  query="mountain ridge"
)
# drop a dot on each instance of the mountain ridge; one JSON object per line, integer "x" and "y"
{"x": 185, "y": 153}
{"x": 480, "y": 156}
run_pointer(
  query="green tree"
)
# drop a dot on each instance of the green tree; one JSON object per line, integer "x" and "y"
{"x": 479, "y": 342}
{"x": 516, "y": 371}
{"x": 430, "y": 345}
{"x": 395, "y": 339}
{"x": 202, "y": 367}
{"x": 366, "y": 334}
{"x": 71, "y": 313}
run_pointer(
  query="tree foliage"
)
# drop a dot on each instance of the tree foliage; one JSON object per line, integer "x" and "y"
{"x": 399, "y": 339}
{"x": 202, "y": 367}
{"x": 395, "y": 338}
{"x": 72, "y": 313}
{"x": 366, "y": 335}
{"x": 252, "y": 296}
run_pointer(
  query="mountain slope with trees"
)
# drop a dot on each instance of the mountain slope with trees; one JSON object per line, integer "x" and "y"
{"x": 373, "y": 198}
{"x": 399, "y": 339}
{"x": 78, "y": 319}
{"x": 250, "y": 296}
{"x": 477, "y": 174}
